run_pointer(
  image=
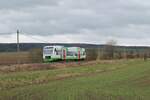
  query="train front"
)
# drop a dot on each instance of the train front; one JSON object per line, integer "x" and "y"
{"x": 47, "y": 53}
{"x": 52, "y": 53}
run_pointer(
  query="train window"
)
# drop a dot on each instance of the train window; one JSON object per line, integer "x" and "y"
{"x": 69, "y": 53}
{"x": 48, "y": 48}
{"x": 76, "y": 54}
{"x": 83, "y": 52}
{"x": 58, "y": 52}
{"x": 72, "y": 53}
{"x": 48, "y": 51}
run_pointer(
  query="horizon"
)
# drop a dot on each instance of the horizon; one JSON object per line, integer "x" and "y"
{"x": 76, "y": 43}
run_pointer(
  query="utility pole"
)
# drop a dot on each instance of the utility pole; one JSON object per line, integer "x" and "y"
{"x": 18, "y": 47}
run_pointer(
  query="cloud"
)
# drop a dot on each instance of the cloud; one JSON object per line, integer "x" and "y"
{"x": 19, "y": 4}
{"x": 92, "y": 21}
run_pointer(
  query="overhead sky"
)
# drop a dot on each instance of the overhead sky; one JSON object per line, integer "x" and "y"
{"x": 76, "y": 21}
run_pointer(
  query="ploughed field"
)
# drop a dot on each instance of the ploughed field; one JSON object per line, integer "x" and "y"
{"x": 98, "y": 80}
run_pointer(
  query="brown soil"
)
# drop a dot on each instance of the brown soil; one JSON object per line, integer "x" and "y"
{"x": 45, "y": 66}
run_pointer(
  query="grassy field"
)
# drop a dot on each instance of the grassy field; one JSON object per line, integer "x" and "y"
{"x": 117, "y": 80}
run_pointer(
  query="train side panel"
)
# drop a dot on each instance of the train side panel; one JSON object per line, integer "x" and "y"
{"x": 73, "y": 53}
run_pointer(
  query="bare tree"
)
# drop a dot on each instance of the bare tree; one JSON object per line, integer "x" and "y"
{"x": 109, "y": 49}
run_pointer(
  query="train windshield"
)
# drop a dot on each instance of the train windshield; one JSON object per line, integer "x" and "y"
{"x": 48, "y": 50}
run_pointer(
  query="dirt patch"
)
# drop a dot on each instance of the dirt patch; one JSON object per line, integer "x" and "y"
{"x": 143, "y": 81}
{"x": 61, "y": 76}
{"x": 45, "y": 66}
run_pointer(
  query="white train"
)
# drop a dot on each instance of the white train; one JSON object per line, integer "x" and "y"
{"x": 55, "y": 53}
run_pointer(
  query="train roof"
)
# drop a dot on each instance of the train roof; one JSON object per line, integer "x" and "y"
{"x": 56, "y": 46}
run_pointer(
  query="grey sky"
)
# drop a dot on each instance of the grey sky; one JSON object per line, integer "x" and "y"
{"x": 90, "y": 21}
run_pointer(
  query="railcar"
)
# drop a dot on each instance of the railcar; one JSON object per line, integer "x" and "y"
{"x": 52, "y": 53}
{"x": 73, "y": 53}
{"x": 56, "y": 53}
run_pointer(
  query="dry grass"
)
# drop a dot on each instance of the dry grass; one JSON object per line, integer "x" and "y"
{"x": 45, "y": 66}
{"x": 14, "y": 57}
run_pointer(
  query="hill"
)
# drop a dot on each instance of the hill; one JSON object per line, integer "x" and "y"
{"x": 11, "y": 47}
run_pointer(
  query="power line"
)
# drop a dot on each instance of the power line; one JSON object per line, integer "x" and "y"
{"x": 7, "y": 33}
{"x": 25, "y": 34}
{"x": 34, "y": 38}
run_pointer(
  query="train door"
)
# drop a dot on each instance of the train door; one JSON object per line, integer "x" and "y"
{"x": 79, "y": 53}
{"x": 64, "y": 54}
